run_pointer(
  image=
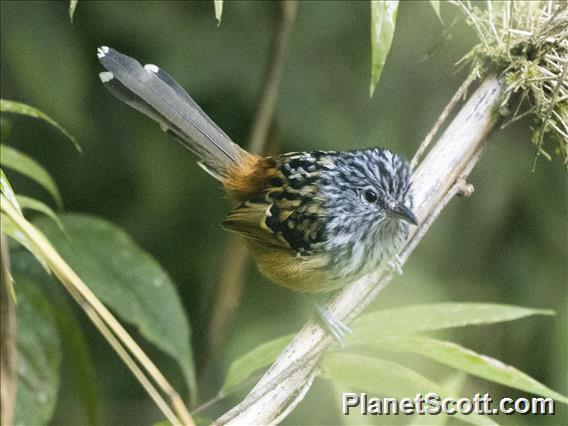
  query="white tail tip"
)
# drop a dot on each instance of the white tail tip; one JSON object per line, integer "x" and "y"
{"x": 102, "y": 51}
{"x": 106, "y": 76}
{"x": 151, "y": 68}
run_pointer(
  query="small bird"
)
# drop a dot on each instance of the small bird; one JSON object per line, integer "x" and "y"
{"x": 314, "y": 220}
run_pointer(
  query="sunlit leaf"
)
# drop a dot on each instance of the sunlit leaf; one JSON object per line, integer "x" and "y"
{"x": 436, "y": 6}
{"x": 374, "y": 375}
{"x": 383, "y": 22}
{"x": 38, "y": 356}
{"x": 128, "y": 280}
{"x": 23, "y": 109}
{"x": 12, "y": 230}
{"x": 218, "y": 10}
{"x": 8, "y": 191}
{"x": 72, "y": 7}
{"x": 353, "y": 372}
{"x": 33, "y": 204}
{"x": 455, "y": 383}
{"x": 464, "y": 359}
{"x": 411, "y": 319}
{"x": 260, "y": 357}
{"x": 452, "y": 388}
{"x": 15, "y": 160}
{"x": 355, "y": 418}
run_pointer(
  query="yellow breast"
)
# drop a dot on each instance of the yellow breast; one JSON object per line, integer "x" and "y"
{"x": 298, "y": 273}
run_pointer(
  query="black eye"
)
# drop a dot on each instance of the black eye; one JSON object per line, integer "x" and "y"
{"x": 370, "y": 196}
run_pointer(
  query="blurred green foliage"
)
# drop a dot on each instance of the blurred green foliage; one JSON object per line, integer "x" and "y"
{"x": 38, "y": 356}
{"x": 506, "y": 244}
{"x": 127, "y": 280}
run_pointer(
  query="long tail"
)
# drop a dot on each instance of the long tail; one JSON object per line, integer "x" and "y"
{"x": 155, "y": 93}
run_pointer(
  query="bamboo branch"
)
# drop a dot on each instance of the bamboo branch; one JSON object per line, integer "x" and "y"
{"x": 8, "y": 343}
{"x": 440, "y": 176}
{"x": 232, "y": 280}
{"x": 104, "y": 320}
{"x": 460, "y": 93}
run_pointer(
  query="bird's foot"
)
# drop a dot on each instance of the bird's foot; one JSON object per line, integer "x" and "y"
{"x": 395, "y": 265}
{"x": 334, "y": 327}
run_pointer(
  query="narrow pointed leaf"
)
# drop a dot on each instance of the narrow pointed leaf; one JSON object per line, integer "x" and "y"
{"x": 453, "y": 387}
{"x": 464, "y": 359}
{"x": 436, "y": 6}
{"x": 36, "y": 205}
{"x": 260, "y": 357}
{"x": 388, "y": 379}
{"x": 374, "y": 375}
{"x": 21, "y": 163}
{"x": 8, "y": 192}
{"x": 23, "y": 109}
{"x": 383, "y": 23}
{"x": 411, "y": 319}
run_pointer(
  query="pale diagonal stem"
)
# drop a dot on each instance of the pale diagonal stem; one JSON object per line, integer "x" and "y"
{"x": 92, "y": 305}
{"x": 437, "y": 179}
{"x": 460, "y": 93}
{"x": 8, "y": 344}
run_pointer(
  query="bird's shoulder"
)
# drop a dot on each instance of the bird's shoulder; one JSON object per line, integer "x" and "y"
{"x": 289, "y": 211}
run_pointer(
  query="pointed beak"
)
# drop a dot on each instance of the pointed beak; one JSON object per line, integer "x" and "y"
{"x": 405, "y": 214}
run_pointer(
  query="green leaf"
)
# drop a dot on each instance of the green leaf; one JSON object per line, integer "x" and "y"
{"x": 74, "y": 345}
{"x": 15, "y": 160}
{"x": 78, "y": 358}
{"x": 11, "y": 228}
{"x": 38, "y": 356}
{"x": 5, "y": 128}
{"x": 23, "y": 109}
{"x": 218, "y": 10}
{"x": 455, "y": 383}
{"x": 33, "y": 204}
{"x": 452, "y": 388}
{"x": 128, "y": 280}
{"x": 436, "y": 6}
{"x": 374, "y": 375}
{"x": 8, "y": 192}
{"x": 464, "y": 359}
{"x": 388, "y": 379}
{"x": 261, "y": 356}
{"x": 383, "y": 22}
{"x": 72, "y": 7}
{"x": 412, "y": 319}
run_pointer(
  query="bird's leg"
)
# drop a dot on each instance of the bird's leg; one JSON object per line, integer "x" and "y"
{"x": 333, "y": 326}
{"x": 395, "y": 265}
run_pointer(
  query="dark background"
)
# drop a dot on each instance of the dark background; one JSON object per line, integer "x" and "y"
{"x": 506, "y": 244}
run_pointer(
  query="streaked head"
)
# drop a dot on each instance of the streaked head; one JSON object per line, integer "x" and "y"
{"x": 370, "y": 183}
{"x": 368, "y": 204}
